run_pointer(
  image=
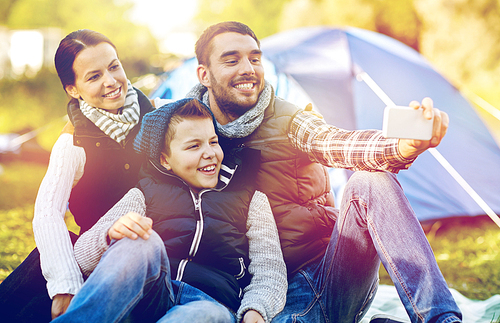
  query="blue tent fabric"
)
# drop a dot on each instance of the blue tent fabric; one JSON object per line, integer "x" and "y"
{"x": 320, "y": 65}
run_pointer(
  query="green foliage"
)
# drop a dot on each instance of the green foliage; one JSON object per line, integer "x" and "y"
{"x": 462, "y": 39}
{"x": 19, "y": 182}
{"x": 29, "y": 103}
{"x": 262, "y": 16}
{"x": 16, "y": 237}
{"x": 473, "y": 255}
{"x": 5, "y": 9}
{"x": 398, "y": 19}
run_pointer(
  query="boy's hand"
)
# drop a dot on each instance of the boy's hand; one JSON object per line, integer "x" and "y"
{"x": 131, "y": 225}
{"x": 253, "y": 317}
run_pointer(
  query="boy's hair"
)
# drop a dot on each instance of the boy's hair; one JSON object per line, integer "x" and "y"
{"x": 193, "y": 109}
{"x": 203, "y": 46}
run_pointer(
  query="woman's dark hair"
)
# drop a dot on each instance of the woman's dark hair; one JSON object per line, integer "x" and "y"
{"x": 203, "y": 46}
{"x": 70, "y": 47}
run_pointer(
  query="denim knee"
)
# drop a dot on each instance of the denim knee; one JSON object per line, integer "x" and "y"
{"x": 378, "y": 179}
{"x": 373, "y": 183}
{"x": 139, "y": 249}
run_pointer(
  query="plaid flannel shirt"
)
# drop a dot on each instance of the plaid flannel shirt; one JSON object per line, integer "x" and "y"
{"x": 365, "y": 150}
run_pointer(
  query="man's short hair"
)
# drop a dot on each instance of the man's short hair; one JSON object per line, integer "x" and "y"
{"x": 193, "y": 109}
{"x": 203, "y": 46}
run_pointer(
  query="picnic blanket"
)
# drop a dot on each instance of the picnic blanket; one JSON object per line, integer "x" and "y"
{"x": 474, "y": 311}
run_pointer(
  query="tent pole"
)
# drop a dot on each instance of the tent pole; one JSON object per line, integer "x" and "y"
{"x": 465, "y": 185}
{"x": 363, "y": 76}
{"x": 482, "y": 103}
{"x": 18, "y": 141}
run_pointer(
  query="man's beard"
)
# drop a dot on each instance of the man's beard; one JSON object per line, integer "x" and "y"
{"x": 228, "y": 104}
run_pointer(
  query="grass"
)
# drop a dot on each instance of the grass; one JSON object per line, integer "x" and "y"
{"x": 466, "y": 249}
{"x": 19, "y": 184}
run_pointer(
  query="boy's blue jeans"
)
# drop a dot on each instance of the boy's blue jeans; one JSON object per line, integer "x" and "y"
{"x": 133, "y": 279}
{"x": 375, "y": 223}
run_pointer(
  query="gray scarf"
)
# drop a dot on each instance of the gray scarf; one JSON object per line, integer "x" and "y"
{"x": 248, "y": 122}
{"x": 116, "y": 126}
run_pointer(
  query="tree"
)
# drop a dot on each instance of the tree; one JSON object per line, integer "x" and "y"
{"x": 262, "y": 16}
{"x": 395, "y": 18}
{"x": 463, "y": 39}
{"x": 5, "y": 8}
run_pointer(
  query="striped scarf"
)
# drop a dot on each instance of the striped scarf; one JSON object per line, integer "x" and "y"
{"x": 116, "y": 126}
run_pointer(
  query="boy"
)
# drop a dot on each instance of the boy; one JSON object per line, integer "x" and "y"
{"x": 209, "y": 219}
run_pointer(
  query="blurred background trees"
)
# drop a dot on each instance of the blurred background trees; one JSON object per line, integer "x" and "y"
{"x": 459, "y": 37}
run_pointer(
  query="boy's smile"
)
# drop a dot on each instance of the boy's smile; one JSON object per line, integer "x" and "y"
{"x": 195, "y": 154}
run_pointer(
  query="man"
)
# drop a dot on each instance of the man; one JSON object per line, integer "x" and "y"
{"x": 332, "y": 255}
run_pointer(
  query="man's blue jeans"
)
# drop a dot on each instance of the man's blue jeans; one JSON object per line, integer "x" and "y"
{"x": 132, "y": 280}
{"x": 375, "y": 223}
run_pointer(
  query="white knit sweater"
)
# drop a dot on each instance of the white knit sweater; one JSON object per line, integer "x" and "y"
{"x": 58, "y": 262}
{"x": 266, "y": 292}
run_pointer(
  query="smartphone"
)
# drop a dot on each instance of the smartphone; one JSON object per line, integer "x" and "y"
{"x": 406, "y": 123}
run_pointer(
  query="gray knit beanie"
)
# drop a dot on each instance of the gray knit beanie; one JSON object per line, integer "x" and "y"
{"x": 151, "y": 137}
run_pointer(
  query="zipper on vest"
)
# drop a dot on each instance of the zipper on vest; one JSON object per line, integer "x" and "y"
{"x": 199, "y": 225}
{"x": 241, "y": 274}
{"x": 181, "y": 268}
{"x": 196, "y": 239}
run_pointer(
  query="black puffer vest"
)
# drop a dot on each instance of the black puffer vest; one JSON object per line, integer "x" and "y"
{"x": 298, "y": 189}
{"x": 205, "y": 235}
{"x": 110, "y": 169}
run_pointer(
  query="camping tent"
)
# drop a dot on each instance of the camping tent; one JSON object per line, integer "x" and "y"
{"x": 322, "y": 65}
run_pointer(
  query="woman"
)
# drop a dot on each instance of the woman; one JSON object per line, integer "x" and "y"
{"x": 92, "y": 165}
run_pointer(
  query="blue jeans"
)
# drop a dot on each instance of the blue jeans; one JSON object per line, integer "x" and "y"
{"x": 132, "y": 282}
{"x": 375, "y": 223}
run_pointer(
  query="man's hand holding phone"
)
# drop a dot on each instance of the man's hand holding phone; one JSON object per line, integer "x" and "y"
{"x": 419, "y": 127}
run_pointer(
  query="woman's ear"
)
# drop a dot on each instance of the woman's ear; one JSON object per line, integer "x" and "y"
{"x": 72, "y": 91}
{"x": 164, "y": 161}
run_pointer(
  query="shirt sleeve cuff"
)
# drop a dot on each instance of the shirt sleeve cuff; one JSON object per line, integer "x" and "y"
{"x": 396, "y": 160}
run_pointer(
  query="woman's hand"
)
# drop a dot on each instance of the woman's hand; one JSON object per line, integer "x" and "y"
{"x": 60, "y": 304}
{"x": 253, "y": 317}
{"x": 131, "y": 225}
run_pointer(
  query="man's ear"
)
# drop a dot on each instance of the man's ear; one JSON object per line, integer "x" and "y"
{"x": 164, "y": 161}
{"x": 72, "y": 91}
{"x": 202, "y": 72}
